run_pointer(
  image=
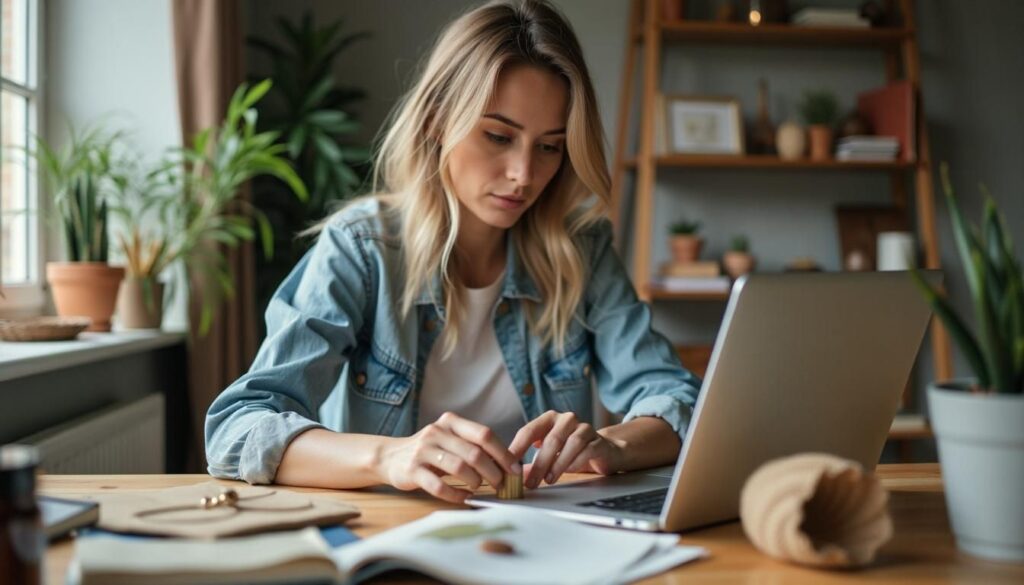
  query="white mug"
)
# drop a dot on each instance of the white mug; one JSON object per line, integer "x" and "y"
{"x": 895, "y": 251}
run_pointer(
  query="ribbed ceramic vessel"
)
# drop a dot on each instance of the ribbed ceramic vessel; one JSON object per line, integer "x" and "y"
{"x": 816, "y": 509}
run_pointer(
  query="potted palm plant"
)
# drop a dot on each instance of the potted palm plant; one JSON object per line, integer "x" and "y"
{"x": 685, "y": 242}
{"x": 979, "y": 422}
{"x": 146, "y": 240}
{"x": 820, "y": 109}
{"x": 80, "y": 180}
{"x": 207, "y": 176}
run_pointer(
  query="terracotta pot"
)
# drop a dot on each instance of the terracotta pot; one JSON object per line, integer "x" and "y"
{"x": 85, "y": 289}
{"x": 138, "y": 310}
{"x": 686, "y": 249}
{"x": 791, "y": 141}
{"x": 738, "y": 263}
{"x": 821, "y": 142}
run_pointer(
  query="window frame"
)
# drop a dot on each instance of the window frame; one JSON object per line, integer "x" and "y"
{"x": 30, "y": 298}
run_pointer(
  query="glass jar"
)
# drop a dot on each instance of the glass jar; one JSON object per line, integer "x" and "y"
{"x": 22, "y": 539}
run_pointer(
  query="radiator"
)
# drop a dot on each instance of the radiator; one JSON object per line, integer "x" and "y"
{"x": 125, "y": 438}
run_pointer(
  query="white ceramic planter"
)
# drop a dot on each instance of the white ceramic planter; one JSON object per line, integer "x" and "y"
{"x": 981, "y": 449}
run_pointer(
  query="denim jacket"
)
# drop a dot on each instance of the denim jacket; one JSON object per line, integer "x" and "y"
{"x": 339, "y": 355}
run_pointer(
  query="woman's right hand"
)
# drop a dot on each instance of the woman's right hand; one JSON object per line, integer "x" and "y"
{"x": 452, "y": 446}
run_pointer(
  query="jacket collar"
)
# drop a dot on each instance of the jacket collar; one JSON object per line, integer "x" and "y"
{"x": 518, "y": 283}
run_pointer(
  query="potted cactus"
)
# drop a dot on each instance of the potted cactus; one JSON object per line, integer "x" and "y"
{"x": 738, "y": 260}
{"x": 979, "y": 422}
{"x": 820, "y": 109}
{"x": 685, "y": 243}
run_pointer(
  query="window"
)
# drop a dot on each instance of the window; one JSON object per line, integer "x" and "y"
{"x": 20, "y": 236}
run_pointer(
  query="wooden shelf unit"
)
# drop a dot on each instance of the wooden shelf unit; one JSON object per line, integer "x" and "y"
{"x": 765, "y": 161}
{"x": 699, "y": 31}
{"x": 648, "y": 33}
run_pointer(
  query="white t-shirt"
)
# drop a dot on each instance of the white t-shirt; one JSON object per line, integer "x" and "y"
{"x": 473, "y": 382}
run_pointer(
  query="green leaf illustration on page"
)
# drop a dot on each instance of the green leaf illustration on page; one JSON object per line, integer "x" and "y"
{"x": 463, "y": 531}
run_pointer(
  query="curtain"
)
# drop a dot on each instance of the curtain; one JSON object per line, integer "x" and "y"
{"x": 208, "y": 47}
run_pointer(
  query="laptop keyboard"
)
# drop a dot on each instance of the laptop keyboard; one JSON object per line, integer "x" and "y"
{"x": 642, "y": 502}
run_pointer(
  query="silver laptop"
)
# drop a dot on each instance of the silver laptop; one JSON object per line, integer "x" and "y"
{"x": 803, "y": 362}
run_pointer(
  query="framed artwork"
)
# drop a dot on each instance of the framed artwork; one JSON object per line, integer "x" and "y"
{"x": 703, "y": 125}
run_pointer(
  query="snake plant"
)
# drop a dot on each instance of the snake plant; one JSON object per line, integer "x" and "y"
{"x": 993, "y": 273}
{"x": 80, "y": 177}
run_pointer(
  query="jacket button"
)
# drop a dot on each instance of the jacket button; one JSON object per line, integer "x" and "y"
{"x": 528, "y": 389}
{"x": 503, "y": 307}
{"x": 586, "y": 370}
{"x": 430, "y": 325}
{"x": 361, "y": 378}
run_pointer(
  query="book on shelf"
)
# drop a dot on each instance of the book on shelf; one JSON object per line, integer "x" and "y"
{"x": 847, "y": 155}
{"x": 693, "y": 284}
{"x": 701, "y": 269}
{"x": 830, "y": 17}
{"x": 451, "y": 546}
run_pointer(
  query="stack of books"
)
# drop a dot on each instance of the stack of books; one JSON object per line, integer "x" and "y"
{"x": 868, "y": 148}
{"x": 836, "y": 17}
{"x": 696, "y": 277}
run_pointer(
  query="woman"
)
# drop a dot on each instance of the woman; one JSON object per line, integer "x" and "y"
{"x": 452, "y": 321}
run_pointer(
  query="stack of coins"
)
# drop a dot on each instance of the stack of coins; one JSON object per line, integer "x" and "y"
{"x": 511, "y": 488}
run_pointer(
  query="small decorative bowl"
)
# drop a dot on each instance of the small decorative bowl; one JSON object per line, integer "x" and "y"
{"x": 42, "y": 328}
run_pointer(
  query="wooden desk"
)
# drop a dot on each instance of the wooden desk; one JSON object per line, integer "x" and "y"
{"x": 922, "y": 551}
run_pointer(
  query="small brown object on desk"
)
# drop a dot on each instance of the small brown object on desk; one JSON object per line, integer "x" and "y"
{"x": 922, "y": 550}
{"x": 498, "y": 547}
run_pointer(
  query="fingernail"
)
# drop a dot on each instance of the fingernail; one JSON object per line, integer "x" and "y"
{"x": 550, "y": 478}
{"x": 517, "y": 469}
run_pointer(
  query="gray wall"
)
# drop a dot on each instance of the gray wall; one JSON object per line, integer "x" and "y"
{"x": 972, "y": 57}
{"x": 113, "y": 61}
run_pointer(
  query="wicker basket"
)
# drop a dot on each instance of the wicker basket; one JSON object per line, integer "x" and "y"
{"x": 42, "y": 328}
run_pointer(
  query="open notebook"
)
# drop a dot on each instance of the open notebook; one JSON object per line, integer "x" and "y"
{"x": 445, "y": 545}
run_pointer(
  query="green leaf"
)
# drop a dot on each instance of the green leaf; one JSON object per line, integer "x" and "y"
{"x": 961, "y": 335}
{"x": 327, "y": 147}
{"x": 297, "y": 141}
{"x": 317, "y": 94}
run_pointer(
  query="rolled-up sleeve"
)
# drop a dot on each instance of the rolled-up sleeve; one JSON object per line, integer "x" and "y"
{"x": 638, "y": 371}
{"x": 312, "y": 322}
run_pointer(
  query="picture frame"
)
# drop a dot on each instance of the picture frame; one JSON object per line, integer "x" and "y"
{"x": 703, "y": 125}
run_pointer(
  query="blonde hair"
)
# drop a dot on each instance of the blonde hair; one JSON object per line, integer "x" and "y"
{"x": 411, "y": 176}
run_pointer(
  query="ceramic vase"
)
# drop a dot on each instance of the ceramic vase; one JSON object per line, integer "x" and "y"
{"x": 791, "y": 141}
{"x": 981, "y": 450}
{"x": 140, "y": 304}
{"x": 816, "y": 509}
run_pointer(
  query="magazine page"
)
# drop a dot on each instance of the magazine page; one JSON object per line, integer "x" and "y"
{"x": 459, "y": 546}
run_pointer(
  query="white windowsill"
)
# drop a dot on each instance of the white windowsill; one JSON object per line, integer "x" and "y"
{"x": 19, "y": 359}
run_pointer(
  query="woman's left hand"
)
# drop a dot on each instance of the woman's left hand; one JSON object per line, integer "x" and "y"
{"x": 567, "y": 445}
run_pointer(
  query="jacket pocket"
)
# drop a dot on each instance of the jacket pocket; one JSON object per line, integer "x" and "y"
{"x": 568, "y": 378}
{"x": 379, "y": 392}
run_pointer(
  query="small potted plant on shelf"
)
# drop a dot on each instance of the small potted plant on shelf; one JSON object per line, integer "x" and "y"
{"x": 979, "y": 422}
{"x": 738, "y": 260}
{"x": 146, "y": 240}
{"x": 685, "y": 243}
{"x": 820, "y": 110}
{"x": 80, "y": 177}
